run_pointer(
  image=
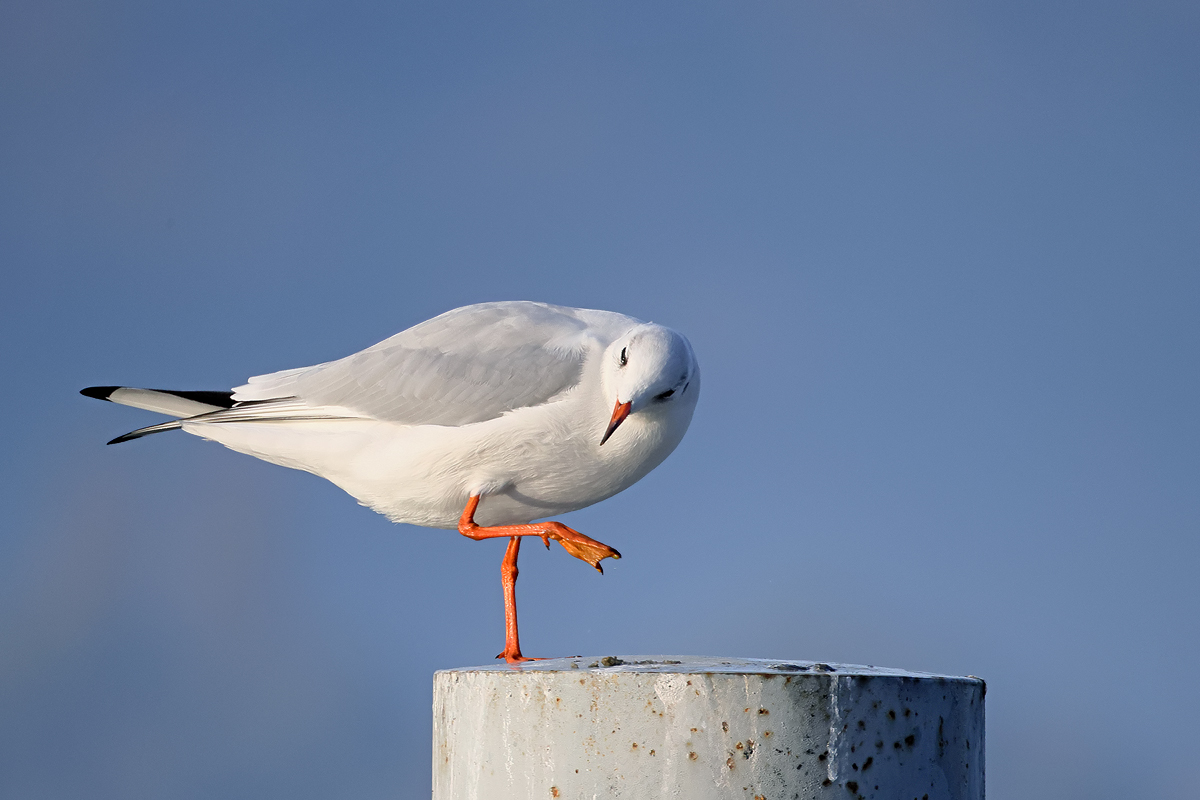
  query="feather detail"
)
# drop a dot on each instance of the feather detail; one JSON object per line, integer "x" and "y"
{"x": 162, "y": 401}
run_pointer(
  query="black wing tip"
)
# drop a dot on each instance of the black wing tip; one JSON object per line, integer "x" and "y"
{"x": 99, "y": 392}
{"x": 219, "y": 399}
{"x": 140, "y": 432}
{"x": 129, "y": 437}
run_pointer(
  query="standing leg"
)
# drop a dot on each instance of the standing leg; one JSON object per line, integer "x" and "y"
{"x": 508, "y": 579}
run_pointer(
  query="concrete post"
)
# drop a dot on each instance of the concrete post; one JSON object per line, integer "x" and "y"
{"x": 695, "y": 728}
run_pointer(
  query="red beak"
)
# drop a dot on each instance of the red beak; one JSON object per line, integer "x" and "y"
{"x": 619, "y": 414}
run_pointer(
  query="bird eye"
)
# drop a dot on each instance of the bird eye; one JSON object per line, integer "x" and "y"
{"x": 624, "y": 358}
{"x": 665, "y": 394}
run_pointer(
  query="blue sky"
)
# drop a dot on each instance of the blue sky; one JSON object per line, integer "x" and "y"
{"x": 939, "y": 263}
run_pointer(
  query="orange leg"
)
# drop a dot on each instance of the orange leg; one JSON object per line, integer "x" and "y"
{"x": 508, "y": 579}
{"x": 574, "y": 542}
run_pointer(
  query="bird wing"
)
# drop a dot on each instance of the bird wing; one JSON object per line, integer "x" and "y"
{"x": 467, "y": 365}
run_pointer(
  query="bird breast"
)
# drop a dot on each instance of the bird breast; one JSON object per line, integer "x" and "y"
{"x": 529, "y": 464}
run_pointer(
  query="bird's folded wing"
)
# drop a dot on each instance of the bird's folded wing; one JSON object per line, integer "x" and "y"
{"x": 467, "y": 365}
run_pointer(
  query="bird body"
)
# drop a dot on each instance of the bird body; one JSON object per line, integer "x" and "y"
{"x": 486, "y": 418}
{"x": 505, "y": 400}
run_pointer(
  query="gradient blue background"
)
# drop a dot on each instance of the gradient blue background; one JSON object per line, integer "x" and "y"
{"x": 940, "y": 262}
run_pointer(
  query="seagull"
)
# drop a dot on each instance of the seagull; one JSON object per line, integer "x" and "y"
{"x": 485, "y": 419}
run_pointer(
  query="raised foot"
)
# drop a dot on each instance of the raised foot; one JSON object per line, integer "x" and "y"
{"x": 582, "y": 547}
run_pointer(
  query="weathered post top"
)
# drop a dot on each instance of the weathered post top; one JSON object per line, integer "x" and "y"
{"x": 695, "y": 728}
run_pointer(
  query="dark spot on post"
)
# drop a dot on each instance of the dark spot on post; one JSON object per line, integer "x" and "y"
{"x": 896, "y": 745}
{"x": 554, "y": 791}
{"x": 692, "y": 756}
{"x": 866, "y": 764}
{"x": 823, "y": 756}
{"x": 891, "y": 714}
{"x": 910, "y": 740}
{"x": 862, "y": 725}
{"x": 725, "y": 727}
{"x": 826, "y": 782}
{"x": 852, "y": 786}
{"x": 763, "y": 712}
{"x": 907, "y": 712}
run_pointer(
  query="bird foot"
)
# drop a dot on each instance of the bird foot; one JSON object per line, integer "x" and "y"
{"x": 582, "y": 547}
{"x": 516, "y": 657}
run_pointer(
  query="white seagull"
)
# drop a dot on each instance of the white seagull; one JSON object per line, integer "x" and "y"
{"x": 484, "y": 418}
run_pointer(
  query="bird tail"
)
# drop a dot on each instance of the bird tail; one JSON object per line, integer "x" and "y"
{"x": 174, "y": 404}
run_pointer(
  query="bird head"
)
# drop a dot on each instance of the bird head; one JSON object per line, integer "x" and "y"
{"x": 648, "y": 369}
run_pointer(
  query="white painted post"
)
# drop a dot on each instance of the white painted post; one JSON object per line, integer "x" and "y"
{"x": 695, "y": 728}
